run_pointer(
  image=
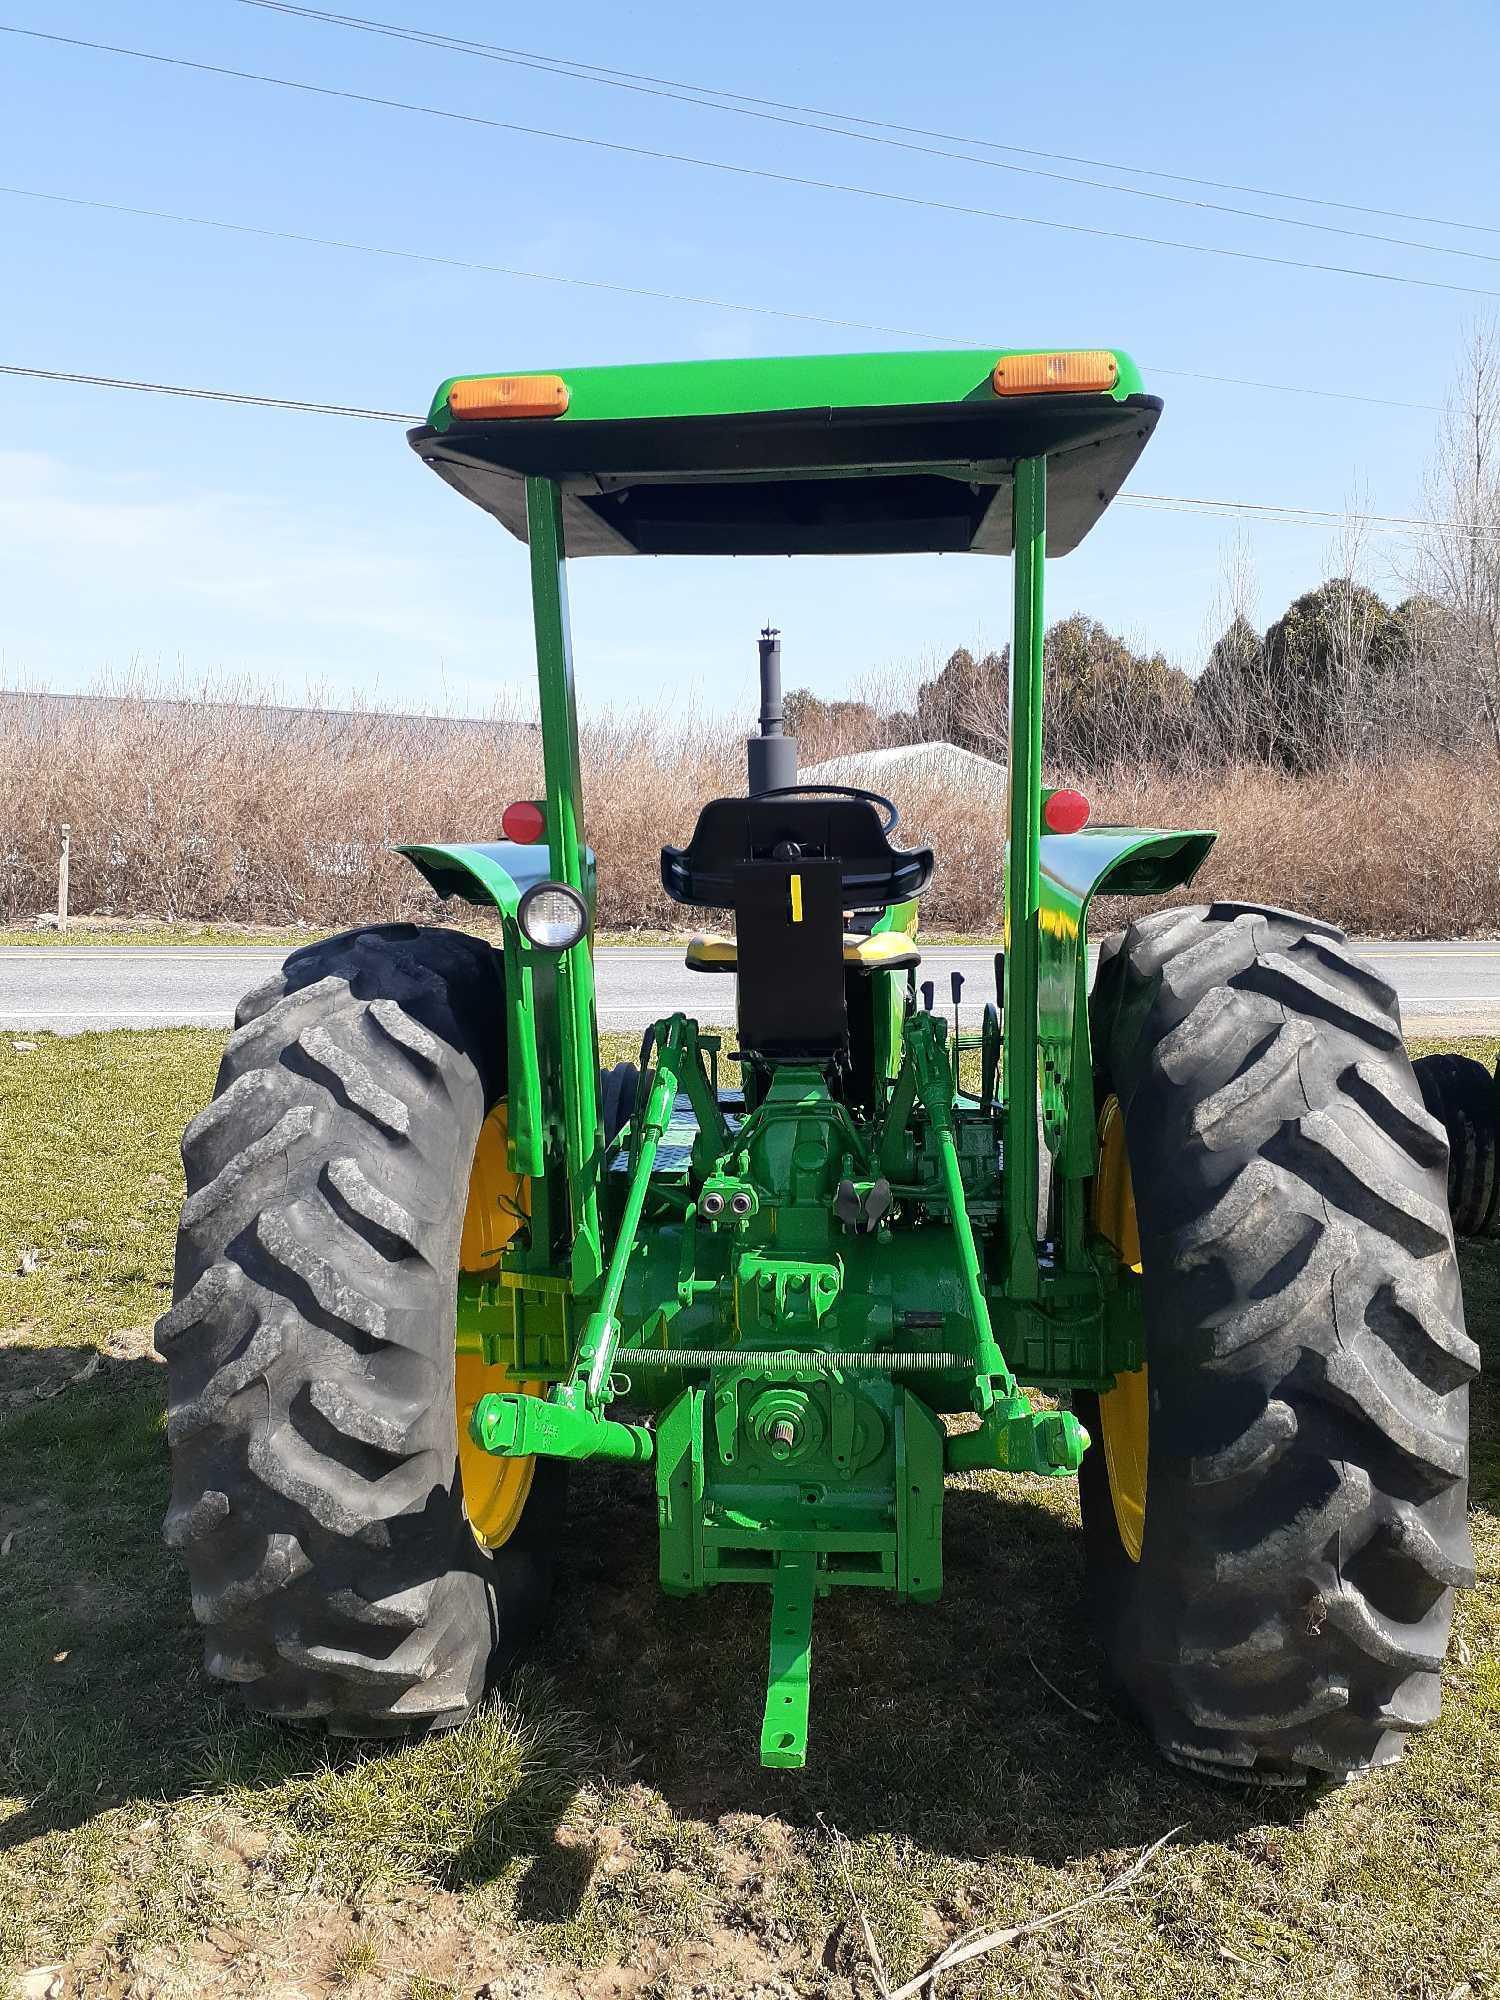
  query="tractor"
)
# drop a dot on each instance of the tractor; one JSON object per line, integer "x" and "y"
{"x": 431, "y": 1254}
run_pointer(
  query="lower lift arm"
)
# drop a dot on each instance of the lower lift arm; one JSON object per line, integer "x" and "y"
{"x": 571, "y": 1423}
{"x": 1011, "y": 1435}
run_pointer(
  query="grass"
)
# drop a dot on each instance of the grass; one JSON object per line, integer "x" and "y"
{"x": 85, "y": 931}
{"x": 602, "y": 1826}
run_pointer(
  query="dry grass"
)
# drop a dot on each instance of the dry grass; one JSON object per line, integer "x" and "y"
{"x": 227, "y": 812}
{"x": 602, "y": 1831}
{"x": 230, "y": 812}
{"x": 1409, "y": 848}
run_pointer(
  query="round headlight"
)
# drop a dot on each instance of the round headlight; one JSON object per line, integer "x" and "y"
{"x": 552, "y": 915}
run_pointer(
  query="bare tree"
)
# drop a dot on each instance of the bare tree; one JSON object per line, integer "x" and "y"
{"x": 1361, "y": 694}
{"x": 1237, "y": 712}
{"x": 1458, "y": 551}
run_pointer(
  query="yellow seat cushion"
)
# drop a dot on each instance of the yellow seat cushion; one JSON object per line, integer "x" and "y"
{"x": 886, "y": 951}
{"x": 708, "y": 952}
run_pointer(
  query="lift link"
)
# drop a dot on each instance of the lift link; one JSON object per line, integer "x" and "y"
{"x": 570, "y": 1423}
{"x": 925, "y": 1053}
{"x": 1012, "y": 1437}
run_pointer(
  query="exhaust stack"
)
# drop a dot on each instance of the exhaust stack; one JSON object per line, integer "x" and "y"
{"x": 772, "y": 755}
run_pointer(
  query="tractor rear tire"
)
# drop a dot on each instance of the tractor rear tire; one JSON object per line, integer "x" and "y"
{"x": 316, "y": 1493}
{"x": 1306, "y": 1360}
{"x": 1465, "y": 1100}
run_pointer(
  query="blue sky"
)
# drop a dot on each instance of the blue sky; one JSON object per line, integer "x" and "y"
{"x": 297, "y": 551}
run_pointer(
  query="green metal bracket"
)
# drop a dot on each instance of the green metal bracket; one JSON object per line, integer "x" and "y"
{"x": 712, "y": 1135}
{"x": 805, "y": 1490}
{"x": 919, "y": 1502}
{"x": 1124, "y": 1311}
{"x": 679, "y": 1493}
{"x": 783, "y": 1297}
{"x": 522, "y": 1321}
{"x": 783, "y": 1733}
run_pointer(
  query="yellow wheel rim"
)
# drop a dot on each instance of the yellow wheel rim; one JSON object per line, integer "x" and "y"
{"x": 495, "y": 1489}
{"x": 1124, "y": 1410}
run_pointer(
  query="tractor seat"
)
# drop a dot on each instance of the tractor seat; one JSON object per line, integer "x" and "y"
{"x": 733, "y": 833}
{"x": 886, "y": 951}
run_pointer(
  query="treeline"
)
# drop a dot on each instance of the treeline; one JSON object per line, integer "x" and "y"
{"x": 1341, "y": 676}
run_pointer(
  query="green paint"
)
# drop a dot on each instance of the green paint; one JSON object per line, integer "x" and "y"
{"x": 919, "y": 1469}
{"x": 478, "y": 874}
{"x": 679, "y": 1494}
{"x": 527, "y": 1426}
{"x": 657, "y": 391}
{"x": 1022, "y": 887}
{"x": 601, "y": 1336}
{"x": 1013, "y": 1437}
{"x": 783, "y": 1732}
{"x": 577, "y": 1030}
{"x": 1072, "y": 869}
{"x": 924, "y": 1044}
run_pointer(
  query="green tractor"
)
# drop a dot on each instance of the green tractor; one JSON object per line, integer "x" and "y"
{"x": 430, "y": 1255}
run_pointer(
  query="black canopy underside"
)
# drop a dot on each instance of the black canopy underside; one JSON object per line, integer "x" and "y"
{"x": 879, "y": 481}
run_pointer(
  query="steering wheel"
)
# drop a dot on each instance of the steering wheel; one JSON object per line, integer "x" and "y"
{"x": 888, "y": 825}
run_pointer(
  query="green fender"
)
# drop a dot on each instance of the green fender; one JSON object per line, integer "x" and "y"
{"x": 1127, "y": 861}
{"x": 496, "y": 874}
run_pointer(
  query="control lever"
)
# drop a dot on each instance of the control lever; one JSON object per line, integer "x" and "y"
{"x": 955, "y": 987}
{"x": 878, "y": 1204}
{"x": 867, "y": 1215}
{"x": 846, "y": 1207}
{"x": 928, "y": 991}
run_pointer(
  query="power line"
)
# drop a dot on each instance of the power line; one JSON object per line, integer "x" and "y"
{"x": 660, "y": 154}
{"x": 1289, "y": 388}
{"x": 1289, "y": 515}
{"x": 508, "y": 270}
{"x": 699, "y": 97}
{"x": 643, "y": 291}
{"x": 568, "y": 65}
{"x": 1285, "y": 514}
{"x": 296, "y": 404}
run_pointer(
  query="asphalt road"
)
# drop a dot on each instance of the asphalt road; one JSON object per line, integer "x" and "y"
{"x": 1445, "y": 988}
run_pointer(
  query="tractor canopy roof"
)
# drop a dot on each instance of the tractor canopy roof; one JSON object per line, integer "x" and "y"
{"x": 828, "y": 454}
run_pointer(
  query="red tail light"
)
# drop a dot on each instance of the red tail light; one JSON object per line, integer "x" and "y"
{"x": 523, "y": 822}
{"x": 1066, "y": 812}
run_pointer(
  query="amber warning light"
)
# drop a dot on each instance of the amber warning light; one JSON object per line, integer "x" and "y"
{"x": 488, "y": 397}
{"x": 1083, "y": 369}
